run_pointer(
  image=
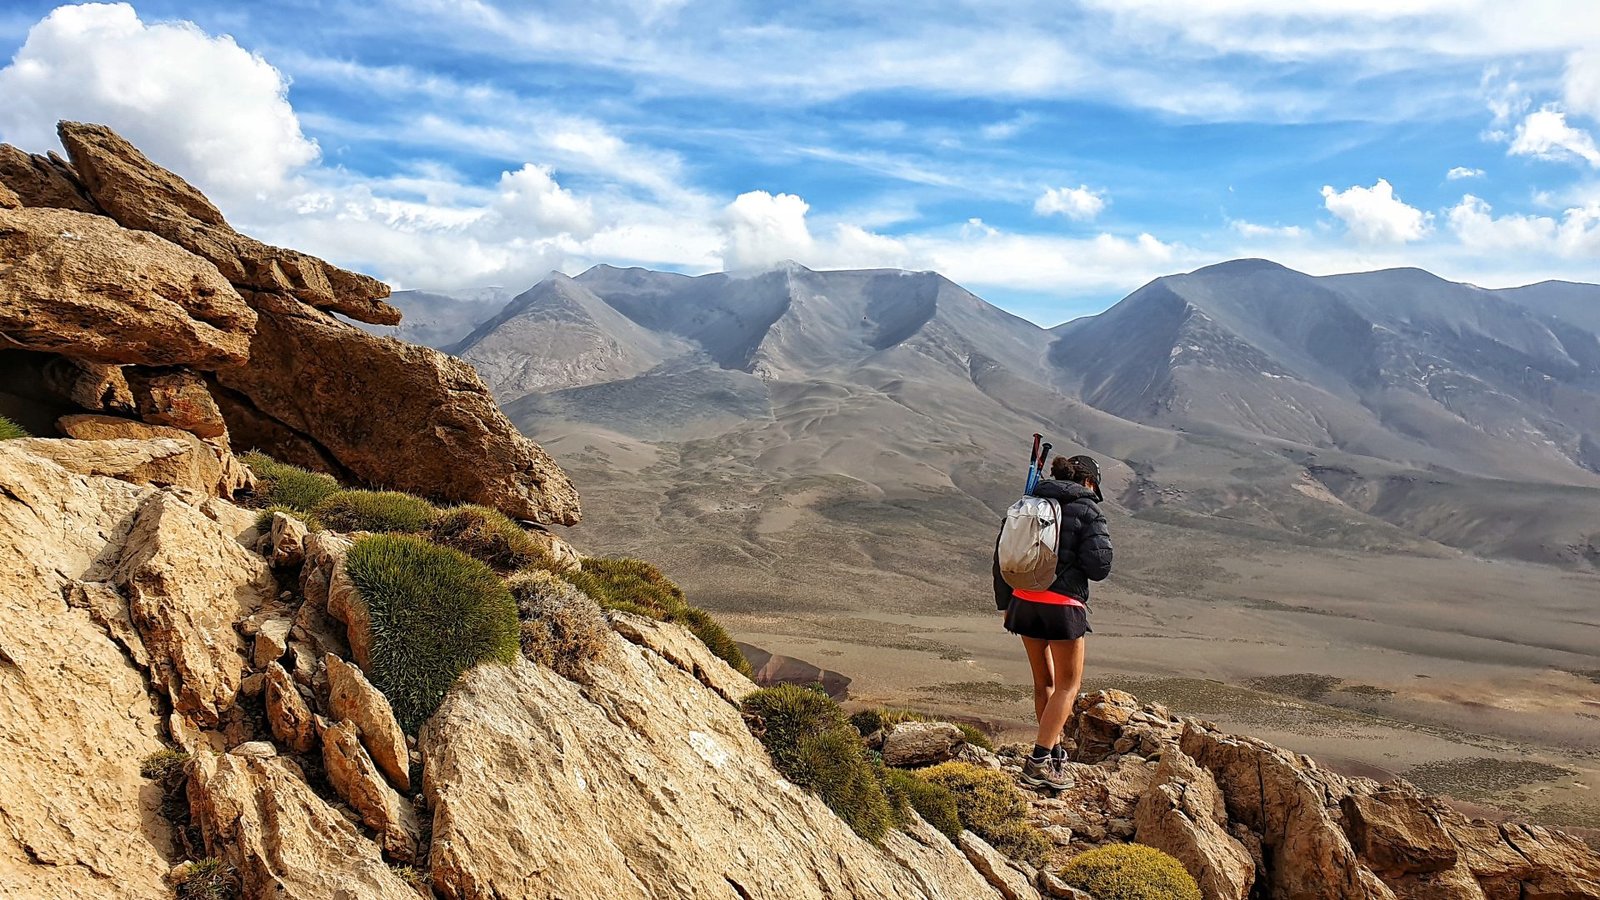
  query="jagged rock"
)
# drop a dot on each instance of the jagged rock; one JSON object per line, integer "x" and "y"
{"x": 440, "y": 435}
{"x": 187, "y": 580}
{"x": 212, "y": 467}
{"x": 345, "y": 603}
{"x": 140, "y": 194}
{"x": 352, "y": 698}
{"x": 1183, "y": 815}
{"x": 1397, "y": 833}
{"x": 162, "y": 461}
{"x": 656, "y": 778}
{"x": 178, "y": 398}
{"x": 679, "y": 646}
{"x": 355, "y": 778}
{"x": 563, "y": 554}
{"x": 287, "y": 713}
{"x": 76, "y": 720}
{"x": 108, "y": 609}
{"x": 1097, "y": 721}
{"x": 1052, "y": 886}
{"x": 255, "y": 750}
{"x": 999, "y": 871}
{"x": 90, "y": 385}
{"x": 271, "y": 642}
{"x": 1271, "y": 792}
{"x": 79, "y": 285}
{"x": 1515, "y": 862}
{"x": 911, "y": 744}
{"x": 39, "y": 180}
{"x": 286, "y": 540}
{"x": 260, "y": 816}
{"x": 9, "y": 199}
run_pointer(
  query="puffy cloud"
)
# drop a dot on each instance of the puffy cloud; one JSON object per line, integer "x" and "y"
{"x": 762, "y": 229}
{"x": 1079, "y": 204}
{"x": 1581, "y": 83}
{"x": 530, "y": 200}
{"x": 1545, "y": 134}
{"x": 199, "y": 104}
{"x": 1575, "y": 236}
{"x": 1460, "y": 172}
{"x": 1252, "y": 230}
{"x": 1375, "y": 215}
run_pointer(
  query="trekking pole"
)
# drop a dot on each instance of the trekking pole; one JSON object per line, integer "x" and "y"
{"x": 1033, "y": 465}
{"x": 1044, "y": 455}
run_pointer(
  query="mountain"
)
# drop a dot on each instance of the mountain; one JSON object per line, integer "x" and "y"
{"x": 441, "y": 319}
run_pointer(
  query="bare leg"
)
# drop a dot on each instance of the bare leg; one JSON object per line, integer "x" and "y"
{"x": 1066, "y": 659}
{"x": 1044, "y": 675}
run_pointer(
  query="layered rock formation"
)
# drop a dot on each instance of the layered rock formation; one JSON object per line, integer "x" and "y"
{"x": 108, "y": 262}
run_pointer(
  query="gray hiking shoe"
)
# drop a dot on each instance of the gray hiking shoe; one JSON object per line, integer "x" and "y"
{"x": 1045, "y": 773}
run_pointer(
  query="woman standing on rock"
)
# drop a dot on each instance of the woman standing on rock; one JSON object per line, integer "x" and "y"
{"x": 1052, "y": 622}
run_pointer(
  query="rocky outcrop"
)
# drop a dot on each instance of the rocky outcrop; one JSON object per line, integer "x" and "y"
{"x": 440, "y": 434}
{"x": 287, "y": 843}
{"x": 164, "y": 461}
{"x": 354, "y": 776}
{"x": 677, "y": 645}
{"x": 353, "y": 699}
{"x": 211, "y": 466}
{"x": 40, "y": 180}
{"x": 1000, "y": 872}
{"x": 290, "y": 718}
{"x": 81, "y": 285}
{"x": 1182, "y": 813}
{"x": 187, "y": 582}
{"x": 911, "y": 744}
{"x": 656, "y": 779}
{"x": 140, "y": 194}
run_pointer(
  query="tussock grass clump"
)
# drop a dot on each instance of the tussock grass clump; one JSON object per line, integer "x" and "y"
{"x": 280, "y": 484}
{"x": 375, "y": 511}
{"x": 934, "y": 803}
{"x": 10, "y": 430}
{"x": 975, "y": 736}
{"x": 634, "y": 586}
{"x": 209, "y": 879}
{"x": 1130, "y": 872}
{"x": 990, "y": 806}
{"x": 436, "y": 612}
{"x": 489, "y": 535}
{"x": 163, "y": 765}
{"x": 813, "y": 746}
{"x": 561, "y": 627}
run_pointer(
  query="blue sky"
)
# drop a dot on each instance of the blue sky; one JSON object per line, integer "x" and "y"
{"x": 1050, "y": 156}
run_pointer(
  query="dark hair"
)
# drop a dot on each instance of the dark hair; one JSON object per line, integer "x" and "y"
{"x": 1062, "y": 469}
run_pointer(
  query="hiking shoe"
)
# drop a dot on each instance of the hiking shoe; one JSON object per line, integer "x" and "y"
{"x": 1045, "y": 773}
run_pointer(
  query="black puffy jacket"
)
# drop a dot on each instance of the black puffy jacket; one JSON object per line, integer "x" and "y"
{"x": 1085, "y": 551}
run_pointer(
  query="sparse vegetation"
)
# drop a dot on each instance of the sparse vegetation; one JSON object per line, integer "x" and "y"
{"x": 1130, "y": 872}
{"x": 415, "y": 879}
{"x": 934, "y": 803}
{"x": 561, "y": 626}
{"x": 209, "y": 879}
{"x": 975, "y": 736}
{"x": 375, "y": 511}
{"x": 489, "y": 535}
{"x": 264, "y": 518}
{"x": 813, "y": 745}
{"x": 280, "y": 484}
{"x": 633, "y": 586}
{"x": 436, "y": 612}
{"x": 10, "y": 430}
{"x": 163, "y": 765}
{"x": 991, "y": 806}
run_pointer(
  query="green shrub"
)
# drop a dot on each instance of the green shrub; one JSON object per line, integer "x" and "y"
{"x": 280, "y": 484}
{"x": 813, "y": 746}
{"x": 561, "y": 627}
{"x": 1130, "y": 872}
{"x": 975, "y": 736}
{"x": 163, "y": 765}
{"x": 10, "y": 430}
{"x": 932, "y": 802}
{"x": 435, "y": 613}
{"x": 990, "y": 806}
{"x": 715, "y": 637}
{"x": 209, "y": 879}
{"x": 489, "y": 535}
{"x": 377, "y": 511}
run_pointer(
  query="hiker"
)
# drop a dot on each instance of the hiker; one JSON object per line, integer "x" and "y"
{"x": 1053, "y": 621}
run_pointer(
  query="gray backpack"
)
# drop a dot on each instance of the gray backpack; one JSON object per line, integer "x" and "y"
{"x": 1029, "y": 541}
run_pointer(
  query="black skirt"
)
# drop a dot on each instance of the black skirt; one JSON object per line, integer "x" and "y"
{"x": 1047, "y": 621}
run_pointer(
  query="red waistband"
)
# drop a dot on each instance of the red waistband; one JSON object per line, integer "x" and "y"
{"x": 1049, "y": 597}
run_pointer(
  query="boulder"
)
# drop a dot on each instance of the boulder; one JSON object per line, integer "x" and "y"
{"x": 440, "y": 433}
{"x": 162, "y": 461}
{"x": 1097, "y": 721}
{"x": 287, "y": 713}
{"x": 176, "y": 397}
{"x": 142, "y": 195}
{"x": 1560, "y": 866}
{"x": 911, "y": 744}
{"x": 81, "y": 285}
{"x": 286, "y": 843}
{"x": 1397, "y": 833}
{"x": 353, "y": 699}
{"x": 1182, "y": 814}
{"x": 999, "y": 871}
{"x": 9, "y": 198}
{"x": 39, "y": 180}
{"x": 286, "y": 538}
{"x": 271, "y": 642}
{"x": 213, "y": 470}
{"x": 679, "y": 646}
{"x": 90, "y": 385}
{"x": 345, "y": 603}
{"x": 76, "y": 719}
{"x": 355, "y": 778}
{"x": 660, "y": 783}
{"x": 187, "y": 580}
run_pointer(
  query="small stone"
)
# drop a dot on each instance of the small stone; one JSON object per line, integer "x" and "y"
{"x": 255, "y": 750}
{"x": 249, "y": 627}
{"x": 253, "y": 684}
{"x": 272, "y": 641}
{"x": 1119, "y": 827}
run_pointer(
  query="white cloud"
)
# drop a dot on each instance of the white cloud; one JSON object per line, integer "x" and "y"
{"x": 1460, "y": 172}
{"x": 199, "y": 104}
{"x": 1252, "y": 230}
{"x": 1079, "y": 204}
{"x": 1545, "y": 134}
{"x": 763, "y": 229}
{"x": 1575, "y": 236}
{"x": 1375, "y": 215}
{"x": 1581, "y": 83}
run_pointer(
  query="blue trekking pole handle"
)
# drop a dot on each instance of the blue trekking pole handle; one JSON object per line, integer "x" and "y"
{"x": 1033, "y": 466}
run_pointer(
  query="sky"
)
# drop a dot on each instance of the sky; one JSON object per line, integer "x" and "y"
{"x": 1050, "y": 156}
